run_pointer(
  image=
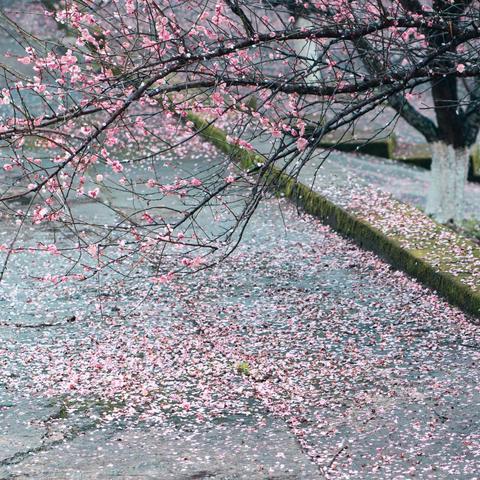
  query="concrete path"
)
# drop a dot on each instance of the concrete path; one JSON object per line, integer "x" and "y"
{"x": 300, "y": 357}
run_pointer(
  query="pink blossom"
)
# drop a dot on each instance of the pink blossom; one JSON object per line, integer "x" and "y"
{"x": 217, "y": 98}
{"x": 195, "y": 182}
{"x": 117, "y": 167}
{"x": 148, "y": 218}
{"x": 94, "y": 193}
{"x": 163, "y": 278}
{"x": 93, "y": 250}
{"x": 276, "y": 133}
{"x": 192, "y": 263}
{"x": 5, "y": 99}
{"x": 301, "y": 144}
{"x": 53, "y": 249}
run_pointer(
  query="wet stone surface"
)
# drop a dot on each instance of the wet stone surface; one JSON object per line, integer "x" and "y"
{"x": 300, "y": 357}
{"x": 227, "y": 452}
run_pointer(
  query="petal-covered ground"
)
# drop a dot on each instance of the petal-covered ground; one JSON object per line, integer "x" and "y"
{"x": 301, "y": 356}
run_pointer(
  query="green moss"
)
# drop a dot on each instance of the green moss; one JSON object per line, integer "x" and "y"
{"x": 420, "y": 156}
{"x": 471, "y": 228}
{"x": 475, "y": 161}
{"x": 419, "y": 252}
{"x": 423, "y": 162}
{"x": 63, "y": 411}
{"x": 252, "y": 103}
{"x": 380, "y": 148}
{"x": 392, "y": 145}
{"x": 99, "y": 405}
{"x": 243, "y": 368}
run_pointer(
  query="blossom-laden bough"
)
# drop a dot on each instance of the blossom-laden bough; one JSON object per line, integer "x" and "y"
{"x": 97, "y": 146}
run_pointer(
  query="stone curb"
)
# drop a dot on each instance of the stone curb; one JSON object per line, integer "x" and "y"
{"x": 417, "y": 154}
{"x": 384, "y": 147}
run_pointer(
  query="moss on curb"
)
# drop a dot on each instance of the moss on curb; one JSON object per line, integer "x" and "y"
{"x": 422, "y": 162}
{"x": 420, "y": 156}
{"x": 475, "y": 162}
{"x": 411, "y": 261}
{"x": 379, "y": 148}
{"x": 413, "y": 152}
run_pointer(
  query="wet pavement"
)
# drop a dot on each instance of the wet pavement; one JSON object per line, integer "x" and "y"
{"x": 300, "y": 357}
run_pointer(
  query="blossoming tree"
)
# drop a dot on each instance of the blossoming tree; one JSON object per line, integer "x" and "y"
{"x": 96, "y": 96}
{"x": 452, "y": 93}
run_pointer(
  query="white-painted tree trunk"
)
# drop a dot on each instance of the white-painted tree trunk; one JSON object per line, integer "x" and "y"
{"x": 307, "y": 50}
{"x": 446, "y": 196}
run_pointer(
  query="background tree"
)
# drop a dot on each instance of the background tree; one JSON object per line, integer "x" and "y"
{"x": 92, "y": 109}
{"x": 454, "y": 100}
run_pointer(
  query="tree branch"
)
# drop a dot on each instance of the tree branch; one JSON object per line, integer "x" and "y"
{"x": 236, "y": 9}
{"x": 397, "y": 101}
{"x": 472, "y": 115}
